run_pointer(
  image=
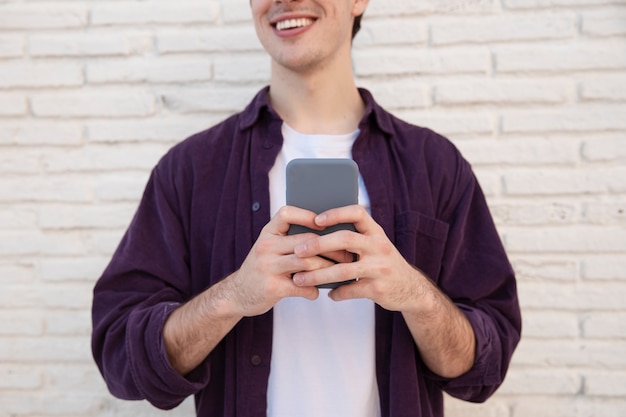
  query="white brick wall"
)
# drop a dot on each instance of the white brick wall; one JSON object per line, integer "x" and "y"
{"x": 533, "y": 92}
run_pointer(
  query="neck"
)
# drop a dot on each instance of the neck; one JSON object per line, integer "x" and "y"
{"x": 322, "y": 102}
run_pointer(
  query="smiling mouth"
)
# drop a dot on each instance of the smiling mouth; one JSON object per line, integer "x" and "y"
{"x": 293, "y": 23}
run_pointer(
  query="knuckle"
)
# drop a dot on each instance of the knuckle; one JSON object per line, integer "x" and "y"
{"x": 263, "y": 246}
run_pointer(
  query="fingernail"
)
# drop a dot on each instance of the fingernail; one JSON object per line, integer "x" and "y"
{"x": 297, "y": 279}
{"x": 320, "y": 218}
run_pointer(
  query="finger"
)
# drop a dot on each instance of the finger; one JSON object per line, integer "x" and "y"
{"x": 331, "y": 274}
{"x": 354, "y": 214}
{"x": 351, "y": 291}
{"x": 288, "y": 215}
{"x": 343, "y": 243}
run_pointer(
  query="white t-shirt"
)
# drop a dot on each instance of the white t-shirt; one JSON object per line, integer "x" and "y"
{"x": 323, "y": 352}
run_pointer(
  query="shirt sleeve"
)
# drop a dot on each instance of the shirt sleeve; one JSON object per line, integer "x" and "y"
{"x": 147, "y": 278}
{"x": 478, "y": 277}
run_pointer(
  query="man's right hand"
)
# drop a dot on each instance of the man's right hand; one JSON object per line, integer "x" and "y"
{"x": 265, "y": 277}
{"x": 194, "y": 329}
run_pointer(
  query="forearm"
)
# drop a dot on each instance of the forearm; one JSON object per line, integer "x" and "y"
{"x": 194, "y": 329}
{"x": 442, "y": 333}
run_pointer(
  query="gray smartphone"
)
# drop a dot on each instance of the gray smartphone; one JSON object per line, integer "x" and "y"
{"x": 321, "y": 184}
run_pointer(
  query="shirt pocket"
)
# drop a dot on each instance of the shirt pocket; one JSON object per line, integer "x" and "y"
{"x": 421, "y": 240}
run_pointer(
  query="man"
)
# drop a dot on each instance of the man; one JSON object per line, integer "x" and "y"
{"x": 208, "y": 296}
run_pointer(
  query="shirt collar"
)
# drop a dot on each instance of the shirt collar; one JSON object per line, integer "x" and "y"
{"x": 261, "y": 103}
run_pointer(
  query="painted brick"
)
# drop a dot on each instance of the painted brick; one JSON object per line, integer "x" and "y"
{"x": 242, "y": 68}
{"x": 115, "y": 187}
{"x": 503, "y": 92}
{"x": 565, "y": 297}
{"x": 531, "y": 4}
{"x": 401, "y": 93}
{"x": 13, "y": 105}
{"x": 602, "y": 407}
{"x": 119, "y": 408}
{"x": 213, "y": 39}
{"x": 11, "y": 46}
{"x": 549, "y": 325}
{"x": 36, "y": 132}
{"x": 44, "y": 15}
{"x": 20, "y": 323}
{"x": 236, "y": 11}
{"x": 20, "y": 296}
{"x": 85, "y": 217}
{"x": 108, "y": 104}
{"x": 142, "y": 13}
{"x": 403, "y": 61}
{"x": 40, "y": 74}
{"x": 69, "y": 243}
{"x": 490, "y": 182}
{"x": 161, "y": 70}
{"x": 17, "y": 271}
{"x": 559, "y": 354}
{"x": 580, "y": 56}
{"x": 18, "y": 218}
{"x": 578, "y": 120}
{"x": 104, "y": 158}
{"x": 183, "y": 100}
{"x": 535, "y": 214}
{"x": 523, "y": 151}
{"x": 50, "y": 403}
{"x": 607, "y": 267}
{"x": 19, "y": 162}
{"x": 603, "y": 325}
{"x": 88, "y": 44}
{"x": 563, "y": 270}
{"x": 458, "y": 408}
{"x": 606, "y": 384}
{"x": 37, "y": 189}
{"x": 74, "y": 296}
{"x": 604, "y": 26}
{"x": 84, "y": 379}
{"x": 19, "y": 243}
{"x": 19, "y": 377}
{"x": 408, "y": 7}
{"x": 68, "y": 322}
{"x": 499, "y": 29}
{"x": 450, "y": 123}
{"x": 545, "y": 407}
{"x": 105, "y": 242}
{"x": 164, "y": 129}
{"x": 613, "y": 212}
{"x": 604, "y": 89}
{"x": 580, "y": 239}
{"x": 600, "y": 149}
{"x": 550, "y": 181}
{"x": 396, "y": 31}
{"x": 542, "y": 382}
{"x": 59, "y": 270}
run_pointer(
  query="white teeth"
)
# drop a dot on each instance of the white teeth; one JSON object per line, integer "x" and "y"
{"x": 293, "y": 23}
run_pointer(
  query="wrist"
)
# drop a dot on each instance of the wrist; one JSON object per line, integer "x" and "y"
{"x": 425, "y": 301}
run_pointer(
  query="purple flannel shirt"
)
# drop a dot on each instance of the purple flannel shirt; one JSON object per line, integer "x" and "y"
{"x": 205, "y": 204}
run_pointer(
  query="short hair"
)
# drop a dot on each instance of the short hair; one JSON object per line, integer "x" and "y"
{"x": 356, "y": 26}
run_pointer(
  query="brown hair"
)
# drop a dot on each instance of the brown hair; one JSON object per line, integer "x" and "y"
{"x": 356, "y": 26}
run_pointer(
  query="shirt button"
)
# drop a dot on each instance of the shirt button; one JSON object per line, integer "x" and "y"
{"x": 256, "y": 206}
{"x": 267, "y": 145}
{"x": 255, "y": 360}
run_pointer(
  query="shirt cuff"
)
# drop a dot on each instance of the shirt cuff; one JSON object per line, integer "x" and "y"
{"x": 485, "y": 376}
{"x": 161, "y": 384}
